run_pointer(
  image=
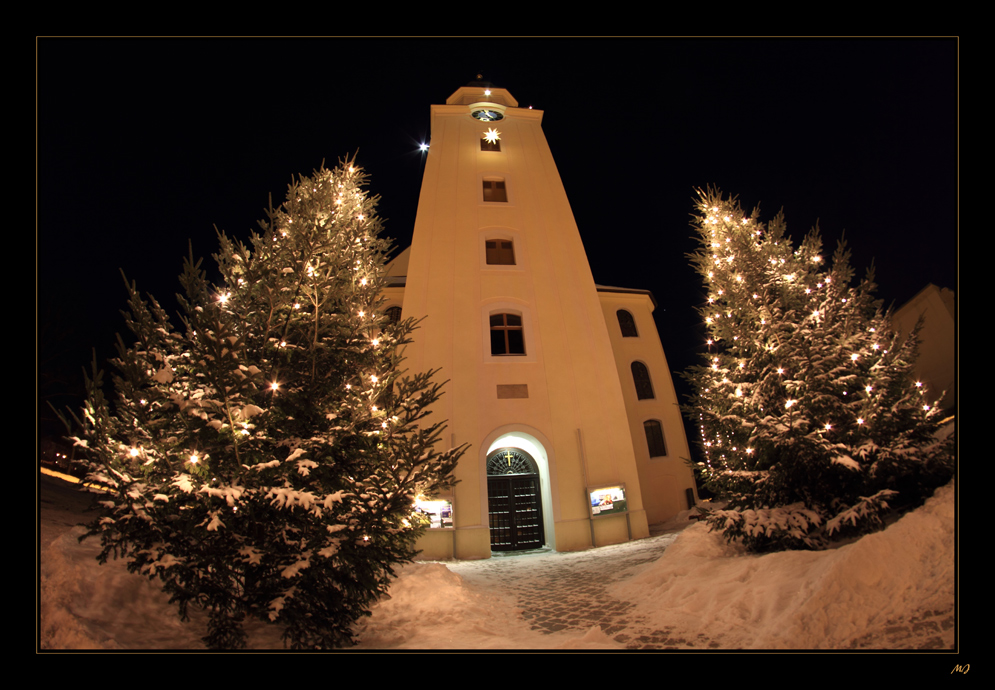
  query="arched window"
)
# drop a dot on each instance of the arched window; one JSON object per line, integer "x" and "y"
{"x": 507, "y": 336}
{"x": 654, "y": 438}
{"x": 393, "y": 314}
{"x": 500, "y": 252}
{"x": 641, "y": 377}
{"x": 627, "y": 324}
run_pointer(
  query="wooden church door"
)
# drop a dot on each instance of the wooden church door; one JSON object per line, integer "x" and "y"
{"x": 514, "y": 501}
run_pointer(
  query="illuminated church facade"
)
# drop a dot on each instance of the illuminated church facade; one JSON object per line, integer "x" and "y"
{"x": 560, "y": 386}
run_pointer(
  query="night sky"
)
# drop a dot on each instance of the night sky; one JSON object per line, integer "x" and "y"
{"x": 145, "y": 145}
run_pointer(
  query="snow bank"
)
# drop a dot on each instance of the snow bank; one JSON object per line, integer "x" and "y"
{"x": 802, "y": 599}
{"x": 855, "y": 596}
{"x": 85, "y": 605}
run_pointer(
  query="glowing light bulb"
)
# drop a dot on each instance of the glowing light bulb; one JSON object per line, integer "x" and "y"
{"x": 273, "y": 386}
{"x": 133, "y": 452}
{"x": 373, "y": 379}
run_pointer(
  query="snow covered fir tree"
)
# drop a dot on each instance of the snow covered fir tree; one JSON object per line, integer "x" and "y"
{"x": 812, "y": 422}
{"x": 261, "y": 460}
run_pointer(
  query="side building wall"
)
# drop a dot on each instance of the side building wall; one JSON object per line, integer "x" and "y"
{"x": 665, "y": 477}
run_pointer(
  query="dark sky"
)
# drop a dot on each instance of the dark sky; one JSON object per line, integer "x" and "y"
{"x": 144, "y": 145}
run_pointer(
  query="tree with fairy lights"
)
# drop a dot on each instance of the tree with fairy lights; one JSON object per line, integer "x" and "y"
{"x": 262, "y": 459}
{"x": 812, "y": 421}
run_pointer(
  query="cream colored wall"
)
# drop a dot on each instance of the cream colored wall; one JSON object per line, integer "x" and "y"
{"x": 569, "y": 367}
{"x": 664, "y": 480}
{"x": 937, "y": 358}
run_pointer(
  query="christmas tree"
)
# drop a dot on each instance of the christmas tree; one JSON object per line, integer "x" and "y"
{"x": 812, "y": 421}
{"x": 262, "y": 459}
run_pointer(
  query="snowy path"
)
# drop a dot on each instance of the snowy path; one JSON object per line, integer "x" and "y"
{"x": 561, "y": 592}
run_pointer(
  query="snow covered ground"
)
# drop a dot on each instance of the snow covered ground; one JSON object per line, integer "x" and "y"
{"x": 684, "y": 589}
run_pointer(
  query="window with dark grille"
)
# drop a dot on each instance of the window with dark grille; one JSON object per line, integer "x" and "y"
{"x": 641, "y": 376}
{"x": 500, "y": 252}
{"x": 507, "y": 337}
{"x": 494, "y": 190}
{"x": 627, "y": 324}
{"x": 654, "y": 438}
{"x": 393, "y": 314}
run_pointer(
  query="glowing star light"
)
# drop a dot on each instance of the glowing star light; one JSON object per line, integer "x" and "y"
{"x": 492, "y": 136}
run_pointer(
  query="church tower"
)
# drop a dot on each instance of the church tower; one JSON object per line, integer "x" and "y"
{"x": 515, "y": 323}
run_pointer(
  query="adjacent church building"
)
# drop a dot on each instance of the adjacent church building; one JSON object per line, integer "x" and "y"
{"x": 560, "y": 386}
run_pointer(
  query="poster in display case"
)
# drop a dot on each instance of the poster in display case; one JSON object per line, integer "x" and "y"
{"x": 438, "y": 511}
{"x": 607, "y": 500}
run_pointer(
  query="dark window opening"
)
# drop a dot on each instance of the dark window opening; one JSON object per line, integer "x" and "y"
{"x": 507, "y": 336}
{"x": 641, "y": 377}
{"x": 654, "y": 438}
{"x": 500, "y": 252}
{"x": 494, "y": 190}
{"x": 489, "y": 146}
{"x": 627, "y": 324}
{"x": 393, "y": 314}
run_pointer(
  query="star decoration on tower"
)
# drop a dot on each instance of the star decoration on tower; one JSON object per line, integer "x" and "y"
{"x": 492, "y": 136}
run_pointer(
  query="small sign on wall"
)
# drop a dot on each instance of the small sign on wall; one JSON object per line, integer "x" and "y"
{"x": 607, "y": 500}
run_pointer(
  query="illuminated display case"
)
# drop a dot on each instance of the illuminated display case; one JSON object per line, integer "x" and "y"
{"x": 607, "y": 500}
{"x": 438, "y": 511}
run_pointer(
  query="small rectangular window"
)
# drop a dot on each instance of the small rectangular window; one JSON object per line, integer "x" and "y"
{"x": 494, "y": 190}
{"x": 500, "y": 252}
{"x": 490, "y": 146}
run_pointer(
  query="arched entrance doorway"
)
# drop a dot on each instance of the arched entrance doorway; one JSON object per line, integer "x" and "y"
{"x": 514, "y": 500}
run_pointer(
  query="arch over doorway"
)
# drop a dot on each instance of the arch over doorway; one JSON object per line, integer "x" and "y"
{"x": 532, "y": 460}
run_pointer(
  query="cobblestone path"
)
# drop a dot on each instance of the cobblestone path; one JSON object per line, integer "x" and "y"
{"x": 569, "y": 591}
